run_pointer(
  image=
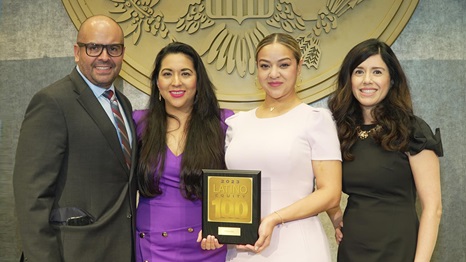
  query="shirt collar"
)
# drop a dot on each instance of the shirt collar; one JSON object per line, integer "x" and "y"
{"x": 97, "y": 90}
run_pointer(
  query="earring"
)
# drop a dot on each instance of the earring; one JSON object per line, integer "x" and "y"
{"x": 255, "y": 84}
{"x": 160, "y": 97}
{"x": 300, "y": 81}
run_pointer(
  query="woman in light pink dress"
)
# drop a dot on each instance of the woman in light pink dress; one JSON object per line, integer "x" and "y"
{"x": 297, "y": 149}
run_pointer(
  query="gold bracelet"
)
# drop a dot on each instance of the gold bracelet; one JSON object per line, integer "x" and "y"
{"x": 281, "y": 218}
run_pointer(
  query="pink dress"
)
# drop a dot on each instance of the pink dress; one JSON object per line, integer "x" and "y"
{"x": 282, "y": 148}
{"x": 167, "y": 226}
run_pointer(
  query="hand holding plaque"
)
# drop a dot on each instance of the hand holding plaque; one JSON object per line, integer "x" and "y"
{"x": 231, "y": 205}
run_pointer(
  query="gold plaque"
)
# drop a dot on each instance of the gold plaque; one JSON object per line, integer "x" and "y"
{"x": 225, "y": 33}
{"x": 229, "y": 199}
{"x": 231, "y": 205}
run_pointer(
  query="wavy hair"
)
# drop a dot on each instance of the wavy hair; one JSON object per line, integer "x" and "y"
{"x": 394, "y": 113}
{"x": 204, "y": 135}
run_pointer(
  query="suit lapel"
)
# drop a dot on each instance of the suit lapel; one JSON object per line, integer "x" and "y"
{"x": 93, "y": 107}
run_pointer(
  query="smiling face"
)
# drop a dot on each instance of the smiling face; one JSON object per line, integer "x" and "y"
{"x": 101, "y": 70}
{"x": 370, "y": 82}
{"x": 177, "y": 82}
{"x": 277, "y": 71}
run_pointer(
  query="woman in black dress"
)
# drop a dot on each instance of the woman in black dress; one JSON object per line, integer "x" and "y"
{"x": 390, "y": 155}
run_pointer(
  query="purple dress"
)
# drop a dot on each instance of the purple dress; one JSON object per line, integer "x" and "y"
{"x": 167, "y": 225}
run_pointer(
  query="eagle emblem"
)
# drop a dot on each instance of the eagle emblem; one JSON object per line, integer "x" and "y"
{"x": 232, "y": 48}
{"x": 226, "y": 32}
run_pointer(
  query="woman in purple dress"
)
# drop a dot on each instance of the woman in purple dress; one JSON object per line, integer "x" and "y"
{"x": 182, "y": 132}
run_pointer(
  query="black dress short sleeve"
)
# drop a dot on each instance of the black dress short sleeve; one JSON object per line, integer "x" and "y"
{"x": 423, "y": 138}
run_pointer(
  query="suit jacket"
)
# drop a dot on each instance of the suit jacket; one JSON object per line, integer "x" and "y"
{"x": 69, "y": 158}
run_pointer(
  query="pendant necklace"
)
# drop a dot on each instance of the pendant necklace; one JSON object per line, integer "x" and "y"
{"x": 284, "y": 107}
{"x": 363, "y": 134}
{"x": 270, "y": 109}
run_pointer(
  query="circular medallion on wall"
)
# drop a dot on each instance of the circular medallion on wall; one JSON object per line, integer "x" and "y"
{"x": 225, "y": 33}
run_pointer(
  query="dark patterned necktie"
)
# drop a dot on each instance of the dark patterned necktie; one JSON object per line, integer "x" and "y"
{"x": 121, "y": 126}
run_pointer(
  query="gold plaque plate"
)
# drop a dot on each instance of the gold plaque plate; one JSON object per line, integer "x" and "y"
{"x": 225, "y": 34}
{"x": 229, "y": 199}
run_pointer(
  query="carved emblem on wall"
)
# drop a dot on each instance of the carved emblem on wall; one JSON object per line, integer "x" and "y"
{"x": 225, "y": 33}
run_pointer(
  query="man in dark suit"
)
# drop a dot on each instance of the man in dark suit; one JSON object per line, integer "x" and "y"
{"x": 74, "y": 182}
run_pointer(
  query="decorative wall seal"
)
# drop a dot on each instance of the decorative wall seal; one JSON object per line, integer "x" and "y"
{"x": 225, "y": 33}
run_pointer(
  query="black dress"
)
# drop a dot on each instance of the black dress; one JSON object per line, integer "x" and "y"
{"x": 380, "y": 220}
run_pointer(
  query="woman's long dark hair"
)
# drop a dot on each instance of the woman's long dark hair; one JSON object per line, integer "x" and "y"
{"x": 204, "y": 135}
{"x": 394, "y": 113}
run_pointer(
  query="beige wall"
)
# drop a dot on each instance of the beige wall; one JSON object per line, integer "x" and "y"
{"x": 36, "y": 39}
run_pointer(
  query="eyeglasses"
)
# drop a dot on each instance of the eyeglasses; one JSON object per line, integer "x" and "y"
{"x": 94, "y": 50}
